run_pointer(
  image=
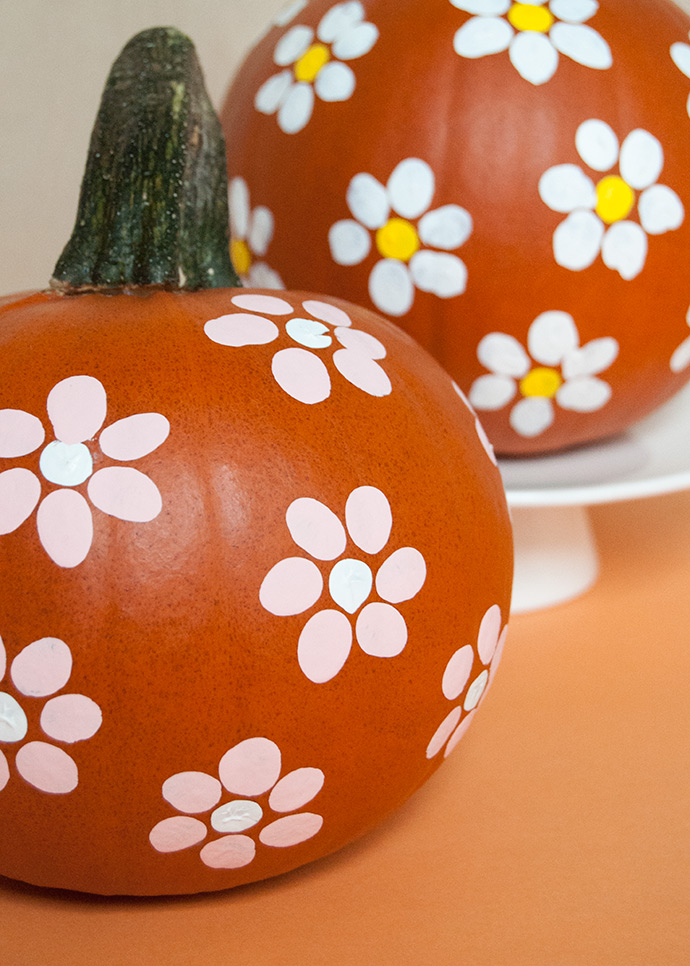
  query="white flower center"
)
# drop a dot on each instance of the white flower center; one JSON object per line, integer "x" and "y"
{"x": 236, "y": 816}
{"x": 13, "y": 723}
{"x": 309, "y": 333}
{"x": 67, "y": 464}
{"x": 350, "y": 584}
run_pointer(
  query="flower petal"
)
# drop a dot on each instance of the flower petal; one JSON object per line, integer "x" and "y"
{"x": 65, "y": 527}
{"x": 624, "y": 249}
{"x": 591, "y": 359}
{"x": 20, "y": 433}
{"x": 440, "y": 273}
{"x": 77, "y": 408}
{"x": 125, "y": 493}
{"x": 355, "y": 41}
{"x": 324, "y": 645}
{"x": 13, "y": 721}
{"x": 411, "y": 187}
{"x": 236, "y": 816}
{"x": 680, "y": 54}
{"x": 481, "y": 36}
{"x": 240, "y": 329}
{"x": 533, "y": 56}
{"x": 192, "y": 791}
{"x": 362, "y": 371}
{"x": 582, "y": 44}
{"x": 530, "y": 417}
{"x": 660, "y": 209}
{"x": 290, "y": 587}
{"x": 566, "y": 187}
{"x": 390, "y": 287}
{"x": 238, "y": 204}
{"x": 71, "y": 717}
{"x": 401, "y": 576}
{"x": 272, "y": 93}
{"x": 4, "y": 771}
{"x": 642, "y": 159}
{"x": 585, "y": 394}
{"x": 291, "y": 830}
{"x": 369, "y": 518}
{"x": 475, "y": 691}
{"x": 485, "y": 8}
{"x": 315, "y": 528}
{"x": 597, "y": 144}
{"x": 229, "y": 852}
{"x": 458, "y": 733}
{"x": 262, "y": 275}
{"x": 551, "y": 337}
{"x": 489, "y": 633}
{"x": 680, "y": 359}
{"x": 381, "y": 630}
{"x": 457, "y": 672}
{"x": 443, "y": 732}
{"x": 578, "y": 240}
{"x": 309, "y": 333}
{"x": 302, "y": 375}
{"x": 261, "y": 230}
{"x": 250, "y": 767}
{"x": 135, "y": 436}
{"x": 177, "y": 833}
{"x": 503, "y": 355}
{"x": 289, "y": 12}
{"x": 447, "y": 227}
{"x": 292, "y": 45}
{"x": 47, "y": 768}
{"x": 361, "y": 342}
{"x": 490, "y": 393}
{"x": 3, "y": 660}
{"x": 327, "y": 312}
{"x": 335, "y": 82}
{"x": 349, "y": 241}
{"x": 573, "y": 11}
{"x": 296, "y": 109}
{"x": 270, "y": 304}
{"x": 296, "y": 789}
{"x": 367, "y": 200}
{"x": 20, "y": 491}
{"x": 42, "y": 667}
{"x": 339, "y": 19}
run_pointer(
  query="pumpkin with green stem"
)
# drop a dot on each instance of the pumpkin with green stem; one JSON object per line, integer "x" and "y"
{"x": 255, "y": 555}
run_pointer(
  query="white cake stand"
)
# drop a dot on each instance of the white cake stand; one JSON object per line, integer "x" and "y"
{"x": 556, "y": 557}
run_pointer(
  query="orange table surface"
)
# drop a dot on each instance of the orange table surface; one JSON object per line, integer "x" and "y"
{"x": 557, "y": 833}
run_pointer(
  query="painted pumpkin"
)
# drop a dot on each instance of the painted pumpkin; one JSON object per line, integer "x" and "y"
{"x": 509, "y": 182}
{"x": 255, "y": 555}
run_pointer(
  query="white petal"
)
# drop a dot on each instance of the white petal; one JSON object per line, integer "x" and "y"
{"x": 597, "y": 144}
{"x": 503, "y": 355}
{"x": 584, "y": 394}
{"x": 642, "y": 159}
{"x": 573, "y": 11}
{"x": 356, "y": 41}
{"x": 335, "y": 82}
{"x": 292, "y": 45}
{"x": 492, "y": 392}
{"x": 261, "y": 230}
{"x": 238, "y": 202}
{"x": 591, "y": 359}
{"x": 349, "y": 241}
{"x": 350, "y": 583}
{"x": 411, "y": 187}
{"x": 551, "y": 337}
{"x": 680, "y": 359}
{"x": 125, "y": 493}
{"x": 262, "y": 275}
{"x": 391, "y": 288}
{"x": 481, "y": 36}
{"x": 660, "y": 210}
{"x": 531, "y": 416}
{"x": 577, "y": 240}
{"x": 448, "y": 227}
{"x": 680, "y": 54}
{"x": 625, "y": 249}
{"x": 368, "y": 201}
{"x": 309, "y": 333}
{"x": 566, "y": 187}
{"x": 296, "y": 109}
{"x": 582, "y": 44}
{"x": 134, "y": 436}
{"x": 272, "y": 92}
{"x": 339, "y": 19}
{"x": 289, "y": 12}
{"x": 441, "y": 273}
{"x": 485, "y": 8}
{"x": 533, "y": 56}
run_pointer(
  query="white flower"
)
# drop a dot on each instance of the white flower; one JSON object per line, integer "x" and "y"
{"x": 565, "y": 373}
{"x": 680, "y": 359}
{"x": 598, "y": 212}
{"x": 399, "y": 216}
{"x": 313, "y": 65}
{"x": 251, "y": 231}
{"x": 680, "y": 54}
{"x": 533, "y": 34}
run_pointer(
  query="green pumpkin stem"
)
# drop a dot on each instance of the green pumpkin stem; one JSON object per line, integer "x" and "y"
{"x": 153, "y": 208}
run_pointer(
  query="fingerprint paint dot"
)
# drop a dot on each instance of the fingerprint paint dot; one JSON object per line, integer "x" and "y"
{"x": 327, "y": 312}
{"x": 291, "y": 830}
{"x": 458, "y": 733}
{"x": 324, "y": 645}
{"x": 177, "y": 833}
{"x": 381, "y": 630}
{"x": 443, "y": 732}
{"x": 47, "y": 768}
{"x": 71, "y": 717}
{"x": 262, "y": 303}
{"x": 489, "y": 632}
{"x": 42, "y": 668}
{"x": 315, "y": 528}
{"x": 457, "y": 672}
{"x": 192, "y": 791}
{"x": 296, "y": 789}
{"x": 290, "y": 587}
{"x": 401, "y": 576}
{"x": 251, "y": 767}
{"x": 230, "y": 852}
{"x": 302, "y": 375}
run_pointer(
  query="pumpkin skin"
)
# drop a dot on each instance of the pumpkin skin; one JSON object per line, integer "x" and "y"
{"x": 608, "y": 346}
{"x": 175, "y": 657}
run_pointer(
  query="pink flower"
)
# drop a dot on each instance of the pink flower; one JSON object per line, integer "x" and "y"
{"x": 41, "y": 669}
{"x": 490, "y": 642}
{"x": 248, "y": 771}
{"x": 295, "y": 584}
{"x": 77, "y": 409}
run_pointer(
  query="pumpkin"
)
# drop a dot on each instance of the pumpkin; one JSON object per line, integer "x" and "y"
{"x": 509, "y": 182}
{"x": 255, "y": 555}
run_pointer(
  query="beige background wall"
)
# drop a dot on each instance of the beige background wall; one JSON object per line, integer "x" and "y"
{"x": 54, "y": 57}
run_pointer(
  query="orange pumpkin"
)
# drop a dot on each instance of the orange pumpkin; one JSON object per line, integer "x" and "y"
{"x": 509, "y": 182}
{"x": 255, "y": 555}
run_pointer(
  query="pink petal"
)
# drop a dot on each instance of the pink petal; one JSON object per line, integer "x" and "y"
{"x": 315, "y": 528}
{"x": 135, "y": 436}
{"x": 443, "y": 732}
{"x": 48, "y": 768}
{"x": 458, "y": 733}
{"x": 381, "y": 630}
{"x": 262, "y": 303}
{"x": 361, "y": 342}
{"x": 401, "y": 576}
{"x": 125, "y": 493}
{"x": 324, "y": 645}
{"x": 302, "y": 375}
{"x": 65, "y": 527}
{"x": 362, "y": 371}
{"x": 296, "y": 789}
{"x": 489, "y": 631}
{"x": 177, "y": 833}
{"x": 291, "y": 830}
{"x": 71, "y": 717}
{"x": 20, "y": 491}
{"x": 230, "y": 852}
{"x": 498, "y": 653}
{"x": 77, "y": 408}
{"x": 241, "y": 329}
{"x": 290, "y": 587}
{"x": 326, "y": 312}
{"x": 3, "y": 660}
{"x": 20, "y": 433}
{"x": 4, "y": 771}
{"x": 250, "y": 768}
{"x": 369, "y": 518}
{"x": 457, "y": 672}
{"x": 42, "y": 668}
{"x": 192, "y": 791}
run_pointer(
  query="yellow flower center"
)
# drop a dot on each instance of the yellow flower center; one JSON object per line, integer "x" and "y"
{"x": 527, "y": 16}
{"x": 311, "y": 62}
{"x": 615, "y": 199}
{"x": 240, "y": 256}
{"x": 541, "y": 381}
{"x": 397, "y": 239}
